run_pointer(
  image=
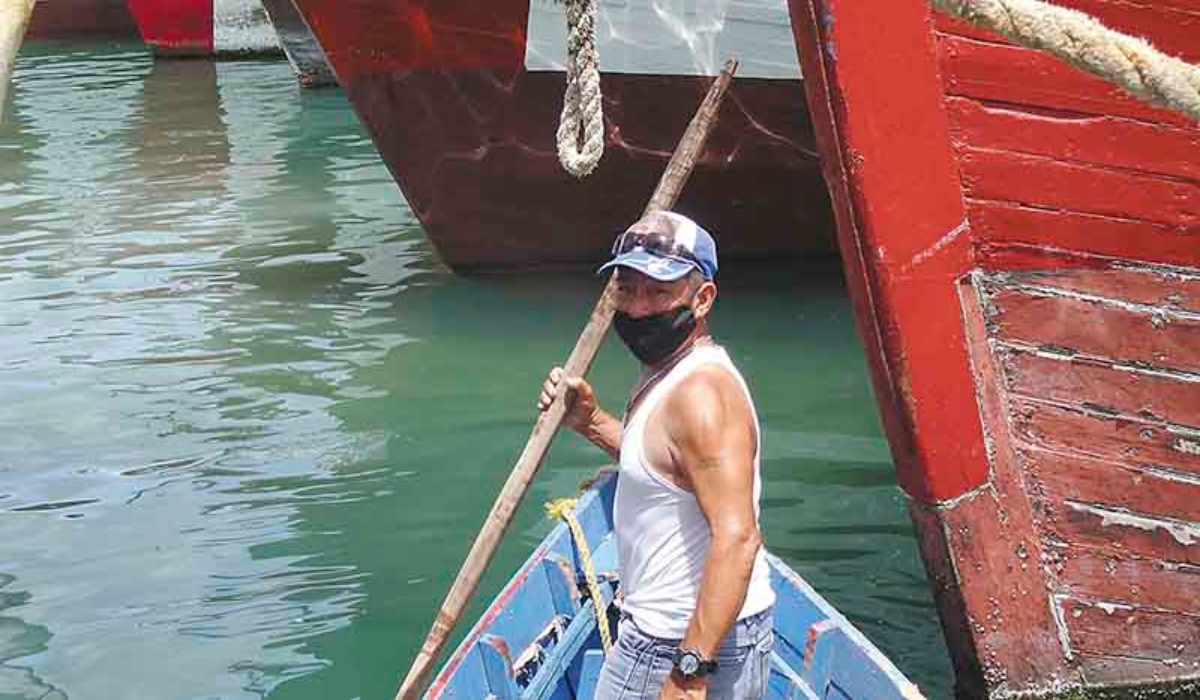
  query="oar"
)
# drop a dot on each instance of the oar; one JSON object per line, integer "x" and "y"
{"x": 548, "y": 423}
{"x": 14, "y": 17}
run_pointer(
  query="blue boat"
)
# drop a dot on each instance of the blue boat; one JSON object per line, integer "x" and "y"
{"x": 539, "y": 640}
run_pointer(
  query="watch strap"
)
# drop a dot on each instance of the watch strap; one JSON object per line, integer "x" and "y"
{"x": 704, "y": 666}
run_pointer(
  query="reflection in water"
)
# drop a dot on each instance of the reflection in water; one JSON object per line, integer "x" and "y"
{"x": 17, "y": 640}
{"x": 249, "y": 428}
{"x": 155, "y": 401}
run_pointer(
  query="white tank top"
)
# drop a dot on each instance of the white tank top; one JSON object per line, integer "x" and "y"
{"x": 662, "y": 535}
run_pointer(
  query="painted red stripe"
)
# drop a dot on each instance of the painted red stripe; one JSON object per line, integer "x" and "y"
{"x": 175, "y": 26}
{"x": 902, "y": 230}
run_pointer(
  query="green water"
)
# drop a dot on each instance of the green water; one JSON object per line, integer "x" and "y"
{"x": 248, "y": 426}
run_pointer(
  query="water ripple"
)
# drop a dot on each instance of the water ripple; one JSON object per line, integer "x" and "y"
{"x": 196, "y": 261}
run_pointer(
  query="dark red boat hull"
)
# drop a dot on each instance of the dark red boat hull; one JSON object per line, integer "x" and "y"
{"x": 81, "y": 19}
{"x": 468, "y": 134}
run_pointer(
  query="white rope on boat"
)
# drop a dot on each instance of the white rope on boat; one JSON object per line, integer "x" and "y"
{"x": 582, "y": 107}
{"x": 14, "y": 17}
{"x": 1131, "y": 63}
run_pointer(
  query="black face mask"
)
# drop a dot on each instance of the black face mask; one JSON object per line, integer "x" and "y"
{"x": 652, "y": 339}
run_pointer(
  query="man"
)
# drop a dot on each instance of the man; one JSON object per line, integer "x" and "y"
{"x": 697, "y": 606}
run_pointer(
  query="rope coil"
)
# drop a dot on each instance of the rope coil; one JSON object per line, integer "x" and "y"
{"x": 1081, "y": 40}
{"x": 582, "y": 109}
{"x": 564, "y": 509}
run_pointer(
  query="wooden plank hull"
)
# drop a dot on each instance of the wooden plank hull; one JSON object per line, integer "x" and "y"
{"x": 538, "y": 638}
{"x": 1028, "y": 299}
{"x": 467, "y": 129}
{"x": 81, "y": 19}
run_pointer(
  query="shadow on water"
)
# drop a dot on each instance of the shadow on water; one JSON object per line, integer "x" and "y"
{"x": 252, "y": 426}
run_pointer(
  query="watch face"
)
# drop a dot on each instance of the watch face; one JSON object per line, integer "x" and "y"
{"x": 689, "y": 664}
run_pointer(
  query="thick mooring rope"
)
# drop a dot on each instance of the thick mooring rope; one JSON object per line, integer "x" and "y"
{"x": 564, "y": 509}
{"x": 14, "y": 16}
{"x": 1081, "y": 40}
{"x": 581, "y": 103}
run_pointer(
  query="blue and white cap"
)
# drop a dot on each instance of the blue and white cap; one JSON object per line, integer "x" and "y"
{"x": 666, "y": 246}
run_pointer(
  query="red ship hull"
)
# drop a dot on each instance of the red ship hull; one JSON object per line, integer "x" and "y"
{"x": 80, "y": 19}
{"x": 468, "y": 134}
{"x": 1022, "y": 244}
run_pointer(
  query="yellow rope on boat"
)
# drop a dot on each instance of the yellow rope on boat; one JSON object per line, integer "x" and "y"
{"x": 564, "y": 509}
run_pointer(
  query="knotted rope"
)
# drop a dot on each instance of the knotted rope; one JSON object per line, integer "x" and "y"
{"x": 564, "y": 509}
{"x": 582, "y": 109}
{"x": 14, "y": 16}
{"x": 1081, "y": 40}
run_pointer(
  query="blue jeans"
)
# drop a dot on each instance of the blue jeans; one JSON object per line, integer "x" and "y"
{"x": 638, "y": 664}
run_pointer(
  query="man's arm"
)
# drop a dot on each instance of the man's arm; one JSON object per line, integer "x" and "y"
{"x": 584, "y": 414}
{"x": 712, "y": 437}
{"x": 604, "y": 431}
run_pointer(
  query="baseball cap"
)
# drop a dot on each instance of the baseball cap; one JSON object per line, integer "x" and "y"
{"x": 665, "y": 246}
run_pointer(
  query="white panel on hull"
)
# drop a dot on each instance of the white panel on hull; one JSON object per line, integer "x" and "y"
{"x": 673, "y": 37}
{"x": 242, "y": 26}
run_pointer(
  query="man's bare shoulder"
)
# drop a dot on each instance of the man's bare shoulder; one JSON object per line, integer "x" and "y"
{"x": 707, "y": 382}
{"x": 708, "y": 402}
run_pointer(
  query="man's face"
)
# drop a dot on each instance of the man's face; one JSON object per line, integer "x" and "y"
{"x": 639, "y": 295}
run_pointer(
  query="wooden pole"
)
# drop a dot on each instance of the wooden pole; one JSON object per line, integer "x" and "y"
{"x": 14, "y": 17}
{"x": 548, "y": 423}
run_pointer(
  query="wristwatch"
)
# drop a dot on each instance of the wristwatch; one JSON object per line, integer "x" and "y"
{"x": 690, "y": 664}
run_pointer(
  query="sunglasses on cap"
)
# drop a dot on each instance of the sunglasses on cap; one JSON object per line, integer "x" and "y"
{"x": 663, "y": 244}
